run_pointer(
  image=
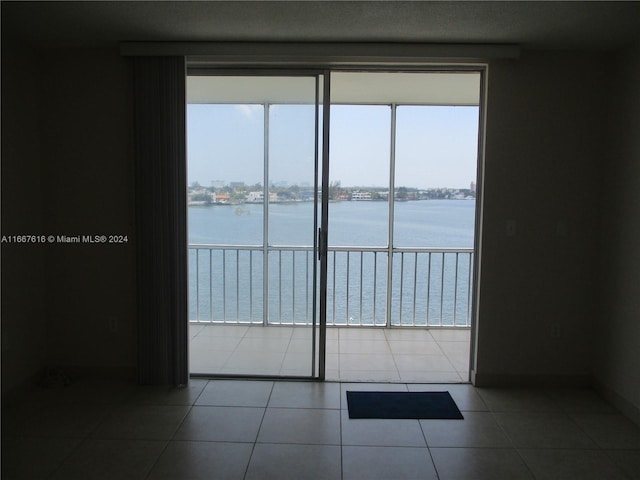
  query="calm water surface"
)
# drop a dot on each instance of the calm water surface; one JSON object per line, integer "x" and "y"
{"x": 426, "y": 223}
{"x": 426, "y": 289}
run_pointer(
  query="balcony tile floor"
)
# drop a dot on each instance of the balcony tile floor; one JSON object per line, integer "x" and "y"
{"x": 353, "y": 354}
{"x": 263, "y": 429}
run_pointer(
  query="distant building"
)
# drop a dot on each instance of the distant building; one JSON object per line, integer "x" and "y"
{"x": 222, "y": 198}
{"x": 472, "y": 187}
{"x": 255, "y": 197}
{"x": 360, "y": 196}
{"x": 217, "y": 183}
{"x": 307, "y": 195}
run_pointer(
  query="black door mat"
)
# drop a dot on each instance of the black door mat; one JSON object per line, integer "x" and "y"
{"x": 414, "y": 405}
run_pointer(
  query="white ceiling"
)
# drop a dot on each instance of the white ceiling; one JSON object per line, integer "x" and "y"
{"x": 602, "y": 25}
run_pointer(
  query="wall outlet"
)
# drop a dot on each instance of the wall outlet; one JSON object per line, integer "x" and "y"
{"x": 562, "y": 230}
{"x": 113, "y": 322}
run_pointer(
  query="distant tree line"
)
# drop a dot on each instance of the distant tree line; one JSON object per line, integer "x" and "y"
{"x": 237, "y": 192}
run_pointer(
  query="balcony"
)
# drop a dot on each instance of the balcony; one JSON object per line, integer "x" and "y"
{"x": 402, "y": 315}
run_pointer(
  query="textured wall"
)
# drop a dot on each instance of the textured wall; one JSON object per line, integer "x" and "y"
{"x": 617, "y": 364}
{"x": 23, "y": 281}
{"x": 88, "y": 190}
{"x": 544, "y": 148}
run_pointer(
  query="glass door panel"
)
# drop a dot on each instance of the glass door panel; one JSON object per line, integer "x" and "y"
{"x": 399, "y": 139}
{"x": 253, "y": 200}
{"x": 358, "y": 214}
{"x": 224, "y": 140}
{"x": 434, "y": 214}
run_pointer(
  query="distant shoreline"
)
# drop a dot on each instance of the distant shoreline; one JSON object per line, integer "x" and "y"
{"x": 293, "y": 202}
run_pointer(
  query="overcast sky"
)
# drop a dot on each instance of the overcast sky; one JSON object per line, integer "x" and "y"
{"x": 435, "y": 146}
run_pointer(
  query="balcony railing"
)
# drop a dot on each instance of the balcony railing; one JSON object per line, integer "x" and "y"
{"x": 427, "y": 286}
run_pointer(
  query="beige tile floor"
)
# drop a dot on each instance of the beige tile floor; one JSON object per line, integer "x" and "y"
{"x": 353, "y": 354}
{"x": 251, "y": 429}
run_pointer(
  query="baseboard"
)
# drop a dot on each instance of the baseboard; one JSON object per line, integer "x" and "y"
{"x": 527, "y": 380}
{"x": 627, "y": 408}
{"x": 15, "y": 394}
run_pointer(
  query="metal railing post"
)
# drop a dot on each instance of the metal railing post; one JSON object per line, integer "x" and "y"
{"x": 368, "y": 286}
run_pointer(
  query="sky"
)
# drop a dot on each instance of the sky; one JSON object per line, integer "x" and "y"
{"x": 436, "y": 146}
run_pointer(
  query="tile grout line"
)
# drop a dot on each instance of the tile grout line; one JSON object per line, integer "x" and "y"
{"x": 513, "y": 446}
{"x": 170, "y": 439}
{"x": 286, "y": 350}
{"x": 433, "y": 462}
{"x": 89, "y": 436}
{"x": 397, "y": 372}
{"x": 255, "y": 442}
{"x": 444, "y": 354}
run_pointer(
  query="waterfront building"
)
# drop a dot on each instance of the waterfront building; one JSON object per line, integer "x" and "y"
{"x": 360, "y": 196}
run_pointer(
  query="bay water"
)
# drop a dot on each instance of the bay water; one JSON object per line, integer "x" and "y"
{"x": 427, "y": 288}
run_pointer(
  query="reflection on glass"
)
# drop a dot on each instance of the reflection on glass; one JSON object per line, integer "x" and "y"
{"x": 291, "y": 174}
{"x": 359, "y": 174}
{"x": 436, "y": 156}
{"x": 251, "y": 168}
{"x": 225, "y": 159}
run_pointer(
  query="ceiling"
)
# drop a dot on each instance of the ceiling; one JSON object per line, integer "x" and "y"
{"x": 594, "y": 26}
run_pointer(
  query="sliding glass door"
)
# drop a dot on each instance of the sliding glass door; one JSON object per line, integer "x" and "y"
{"x": 404, "y": 154}
{"x": 279, "y": 250}
{"x": 254, "y": 210}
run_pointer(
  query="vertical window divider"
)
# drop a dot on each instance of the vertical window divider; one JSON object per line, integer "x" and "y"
{"x": 316, "y": 178}
{"x": 326, "y": 110}
{"x": 392, "y": 170}
{"x": 265, "y": 225}
{"x": 198, "y": 284}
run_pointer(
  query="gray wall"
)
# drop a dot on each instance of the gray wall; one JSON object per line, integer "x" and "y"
{"x": 544, "y": 147}
{"x": 67, "y": 170}
{"x": 87, "y": 163}
{"x": 617, "y": 360}
{"x": 23, "y": 278}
